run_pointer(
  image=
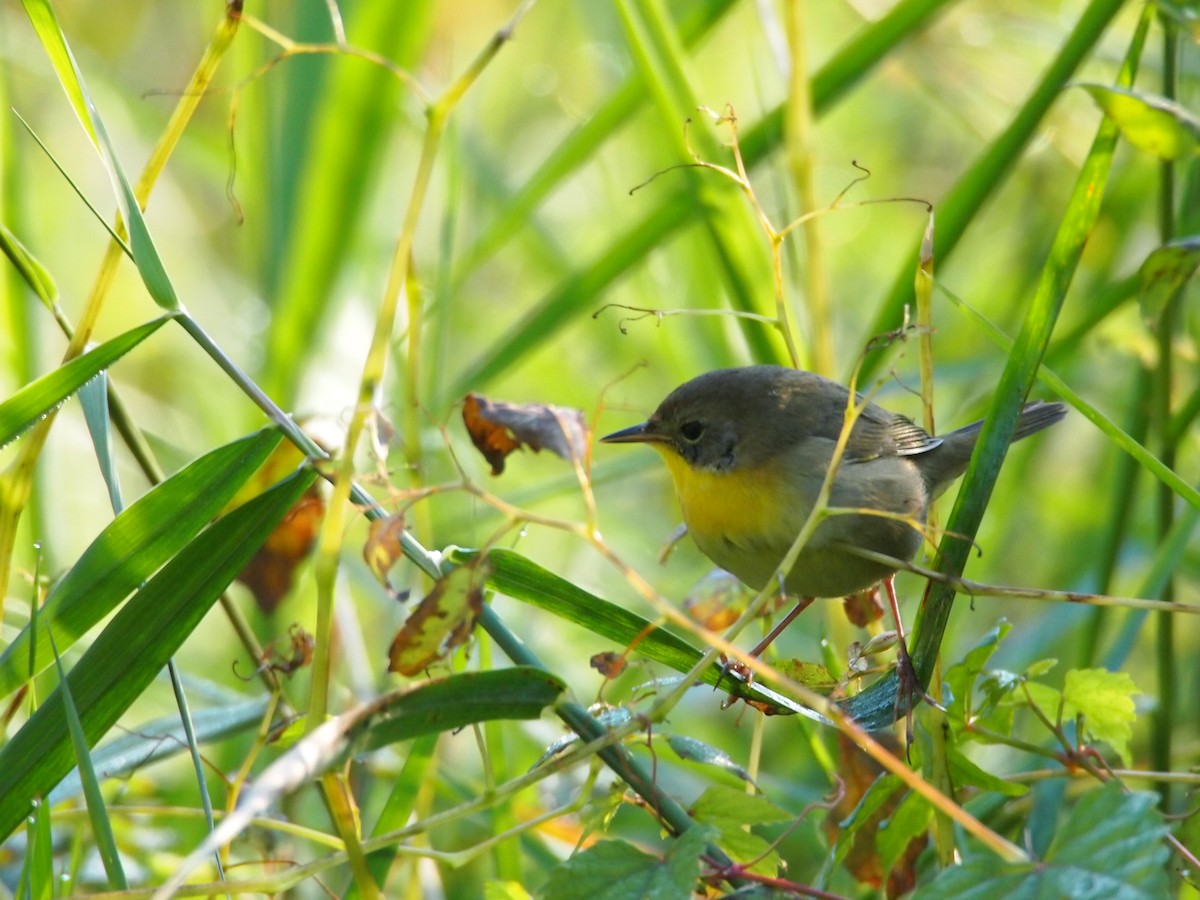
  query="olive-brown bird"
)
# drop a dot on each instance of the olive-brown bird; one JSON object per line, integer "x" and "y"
{"x": 748, "y": 450}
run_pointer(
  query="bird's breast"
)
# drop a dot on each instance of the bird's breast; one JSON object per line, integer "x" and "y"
{"x": 741, "y": 505}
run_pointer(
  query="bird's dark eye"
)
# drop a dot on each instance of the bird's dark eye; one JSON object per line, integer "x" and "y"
{"x": 691, "y": 431}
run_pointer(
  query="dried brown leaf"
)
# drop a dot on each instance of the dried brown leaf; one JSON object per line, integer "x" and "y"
{"x": 498, "y": 428}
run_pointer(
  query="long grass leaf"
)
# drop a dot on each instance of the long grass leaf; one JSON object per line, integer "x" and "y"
{"x": 135, "y": 645}
{"x": 24, "y": 408}
{"x": 132, "y": 547}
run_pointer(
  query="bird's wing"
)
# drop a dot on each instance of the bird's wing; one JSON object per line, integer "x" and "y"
{"x": 879, "y": 433}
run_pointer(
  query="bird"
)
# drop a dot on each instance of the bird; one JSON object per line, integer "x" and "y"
{"x": 748, "y": 450}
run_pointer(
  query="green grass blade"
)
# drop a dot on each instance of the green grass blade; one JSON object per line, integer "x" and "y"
{"x": 93, "y": 397}
{"x": 357, "y": 108}
{"x": 20, "y": 411}
{"x": 135, "y": 645}
{"x": 522, "y": 579}
{"x": 106, "y": 842}
{"x": 132, "y": 548}
{"x": 145, "y": 256}
{"x": 984, "y": 177}
{"x": 876, "y": 706}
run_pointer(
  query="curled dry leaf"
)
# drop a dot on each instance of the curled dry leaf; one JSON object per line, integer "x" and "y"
{"x": 382, "y": 549}
{"x": 498, "y": 428}
{"x": 441, "y": 621}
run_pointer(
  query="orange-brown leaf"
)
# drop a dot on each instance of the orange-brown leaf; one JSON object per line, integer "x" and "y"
{"x": 441, "y": 621}
{"x": 270, "y": 572}
{"x": 498, "y": 428}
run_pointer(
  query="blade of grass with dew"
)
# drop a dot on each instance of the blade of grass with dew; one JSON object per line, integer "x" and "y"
{"x": 30, "y": 404}
{"x": 132, "y": 548}
{"x": 136, "y": 644}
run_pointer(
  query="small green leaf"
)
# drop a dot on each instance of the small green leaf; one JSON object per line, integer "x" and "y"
{"x": 730, "y": 810}
{"x": 616, "y": 870}
{"x": 909, "y": 822}
{"x": 880, "y": 791}
{"x": 93, "y": 397}
{"x": 965, "y": 773}
{"x": 1105, "y": 700}
{"x": 720, "y": 806}
{"x": 961, "y": 676}
{"x": 1150, "y": 122}
{"x": 1164, "y": 272}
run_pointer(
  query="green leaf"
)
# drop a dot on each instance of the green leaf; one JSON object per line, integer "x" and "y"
{"x": 616, "y": 870}
{"x": 1165, "y": 271}
{"x": 20, "y": 411}
{"x": 135, "y": 645}
{"x": 723, "y": 806}
{"x": 1154, "y": 124}
{"x": 965, "y": 773}
{"x": 446, "y": 704}
{"x": 1105, "y": 700}
{"x": 908, "y": 822}
{"x": 106, "y": 842}
{"x": 93, "y": 397}
{"x": 33, "y": 272}
{"x": 132, "y": 548}
{"x": 961, "y": 676}
{"x": 729, "y": 810}
{"x": 880, "y": 791}
{"x": 145, "y": 256}
{"x": 1111, "y": 846}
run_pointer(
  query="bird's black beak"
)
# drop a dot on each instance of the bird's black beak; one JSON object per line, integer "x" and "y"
{"x": 638, "y": 434}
